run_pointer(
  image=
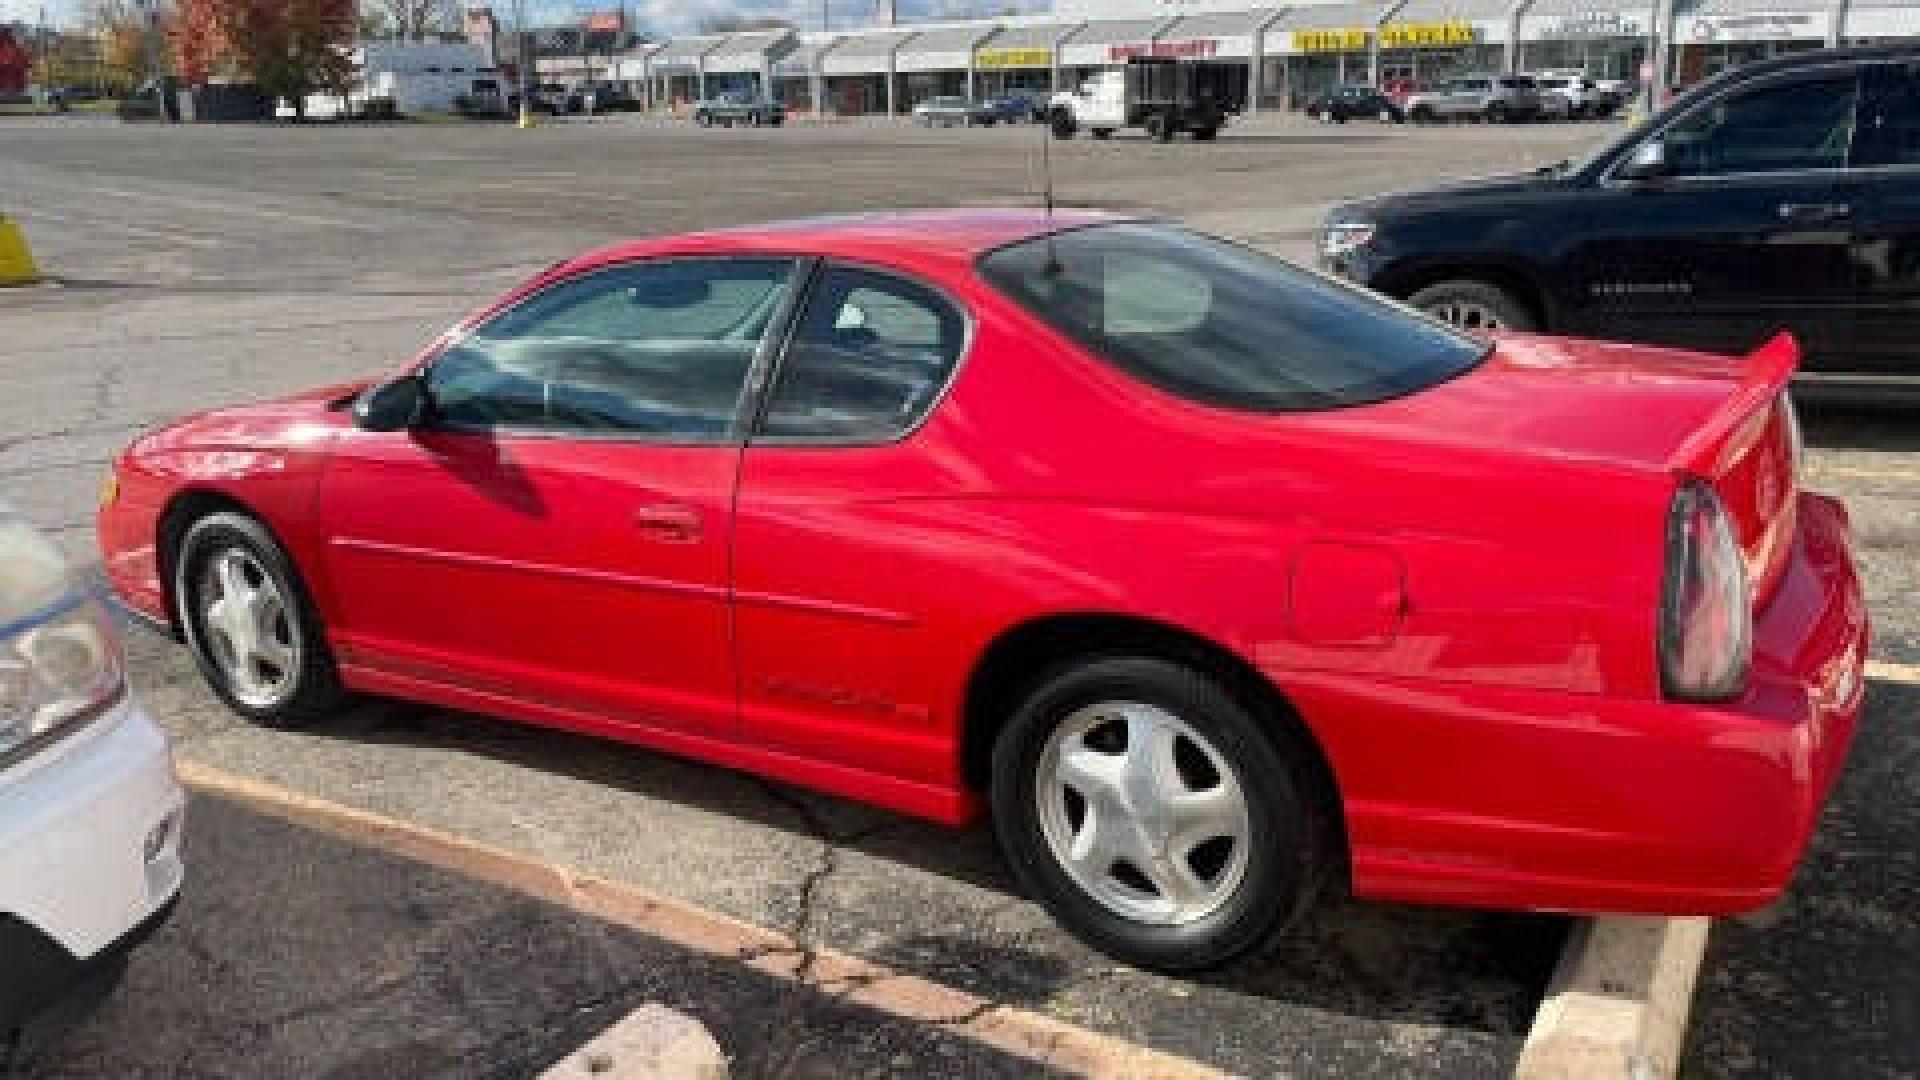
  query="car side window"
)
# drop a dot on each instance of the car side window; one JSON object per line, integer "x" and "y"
{"x": 871, "y": 355}
{"x": 1802, "y": 124}
{"x": 1890, "y": 127}
{"x": 657, "y": 350}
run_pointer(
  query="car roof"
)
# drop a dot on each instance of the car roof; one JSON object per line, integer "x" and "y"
{"x": 902, "y": 238}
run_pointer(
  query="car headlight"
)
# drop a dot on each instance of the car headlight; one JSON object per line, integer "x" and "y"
{"x": 59, "y": 651}
{"x": 1342, "y": 237}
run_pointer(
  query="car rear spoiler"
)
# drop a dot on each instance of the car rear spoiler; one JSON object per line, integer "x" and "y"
{"x": 1712, "y": 449}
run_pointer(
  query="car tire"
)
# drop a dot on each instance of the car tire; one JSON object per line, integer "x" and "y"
{"x": 1159, "y": 128}
{"x": 1421, "y": 115}
{"x": 1475, "y": 305}
{"x": 1496, "y": 114}
{"x": 1205, "y": 134}
{"x": 1061, "y": 124}
{"x": 1100, "y": 133}
{"x": 287, "y": 679}
{"x": 1262, "y": 869}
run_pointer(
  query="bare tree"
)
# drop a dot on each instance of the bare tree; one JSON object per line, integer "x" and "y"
{"x": 411, "y": 20}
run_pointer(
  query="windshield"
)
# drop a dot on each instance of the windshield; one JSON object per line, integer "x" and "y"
{"x": 1224, "y": 324}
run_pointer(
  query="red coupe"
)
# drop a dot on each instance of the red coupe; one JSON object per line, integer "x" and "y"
{"x": 1218, "y": 581}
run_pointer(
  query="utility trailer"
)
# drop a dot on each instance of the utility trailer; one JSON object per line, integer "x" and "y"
{"x": 1162, "y": 94}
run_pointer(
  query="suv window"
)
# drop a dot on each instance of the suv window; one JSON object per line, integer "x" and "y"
{"x": 657, "y": 350}
{"x": 1223, "y": 324}
{"x": 869, "y": 358}
{"x": 1477, "y": 86}
{"x": 1516, "y": 82}
{"x": 1890, "y": 132}
{"x": 1803, "y": 124}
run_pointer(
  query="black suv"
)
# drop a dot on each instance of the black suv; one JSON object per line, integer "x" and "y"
{"x": 1781, "y": 194}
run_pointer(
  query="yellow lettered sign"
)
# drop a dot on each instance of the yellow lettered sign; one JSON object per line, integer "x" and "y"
{"x": 1013, "y": 58}
{"x": 1438, "y": 35}
{"x": 1352, "y": 39}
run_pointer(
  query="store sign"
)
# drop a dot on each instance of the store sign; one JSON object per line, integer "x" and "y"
{"x": 1197, "y": 49}
{"x": 1427, "y": 35}
{"x": 1440, "y": 35}
{"x": 1774, "y": 26}
{"x": 606, "y": 22}
{"x": 1013, "y": 58}
{"x": 1595, "y": 24}
{"x": 1331, "y": 40}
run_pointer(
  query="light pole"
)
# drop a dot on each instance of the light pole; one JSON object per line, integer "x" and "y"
{"x": 523, "y": 58}
{"x": 156, "y": 59}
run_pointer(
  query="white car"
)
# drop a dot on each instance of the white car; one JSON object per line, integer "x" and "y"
{"x": 90, "y": 810}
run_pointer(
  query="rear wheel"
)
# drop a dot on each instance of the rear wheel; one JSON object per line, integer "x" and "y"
{"x": 1422, "y": 115}
{"x": 251, "y": 624}
{"x": 1475, "y": 305}
{"x": 1496, "y": 114}
{"x": 1154, "y": 816}
{"x": 1206, "y": 134}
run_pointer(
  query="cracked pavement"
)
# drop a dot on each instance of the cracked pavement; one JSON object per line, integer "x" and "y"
{"x": 208, "y": 266}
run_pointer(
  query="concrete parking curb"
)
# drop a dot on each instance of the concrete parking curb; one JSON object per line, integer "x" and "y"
{"x": 1617, "y": 1004}
{"x": 1039, "y": 1039}
{"x": 652, "y": 1042}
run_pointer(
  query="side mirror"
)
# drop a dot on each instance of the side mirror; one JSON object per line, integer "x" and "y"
{"x": 394, "y": 405}
{"x": 1649, "y": 162}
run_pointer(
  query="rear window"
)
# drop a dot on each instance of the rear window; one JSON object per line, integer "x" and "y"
{"x": 1223, "y": 324}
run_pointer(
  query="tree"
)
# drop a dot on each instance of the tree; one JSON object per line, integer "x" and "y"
{"x": 288, "y": 48}
{"x": 411, "y": 20}
{"x": 66, "y": 60}
{"x": 121, "y": 32}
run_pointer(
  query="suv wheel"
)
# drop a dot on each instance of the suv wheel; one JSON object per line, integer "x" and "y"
{"x": 1496, "y": 113}
{"x": 1154, "y": 816}
{"x": 1422, "y": 115}
{"x": 1061, "y": 124}
{"x": 1474, "y": 305}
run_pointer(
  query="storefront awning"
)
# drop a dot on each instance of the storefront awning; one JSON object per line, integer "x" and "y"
{"x": 803, "y": 60}
{"x": 1584, "y": 20}
{"x": 1881, "y": 19}
{"x": 944, "y": 49}
{"x": 862, "y": 54}
{"x": 1448, "y": 24}
{"x": 1227, "y": 34}
{"x": 1093, "y": 45}
{"x": 681, "y": 56}
{"x": 750, "y": 52}
{"x": 1726, "y": 22}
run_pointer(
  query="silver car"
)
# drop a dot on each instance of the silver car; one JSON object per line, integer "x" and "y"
{"x": 1495, "y": 99}
{"x": 1572, "y": 96}
{"x": 952, "y": 111}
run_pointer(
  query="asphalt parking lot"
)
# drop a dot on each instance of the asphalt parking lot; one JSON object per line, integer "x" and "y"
{"x": 206, "y": 266}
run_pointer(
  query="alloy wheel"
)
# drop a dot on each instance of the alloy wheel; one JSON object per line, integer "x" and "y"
{"x": 1467, "y": 315}
{"x": 1143, "y": 813}
{"x": 250, "y": 631}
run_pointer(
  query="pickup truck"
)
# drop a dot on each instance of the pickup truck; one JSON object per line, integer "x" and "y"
{"x": 1162, "y": 95}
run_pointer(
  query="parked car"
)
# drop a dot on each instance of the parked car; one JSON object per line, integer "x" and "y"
{"x": 1750, "y": 203}
{"x": 1197, "y": 672}
{"x": 1495, "y": 99}
{"x": 1019, "y": 107}
{"x": 90, "y": 813}
{"x": 739, "y": 110}
{"x": 1573, "y": 96}
{"x": 952, "y": 112}
{"x": 1341, "y": 104}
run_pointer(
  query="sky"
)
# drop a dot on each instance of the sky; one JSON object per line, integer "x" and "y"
{"x": 660, "y": 16}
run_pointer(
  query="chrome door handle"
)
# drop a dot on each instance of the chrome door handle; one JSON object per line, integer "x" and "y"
{"x": 670, "y": 523}
{"x": 1812, "y": 213}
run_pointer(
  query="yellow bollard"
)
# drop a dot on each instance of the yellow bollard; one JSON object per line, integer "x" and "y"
{"x": 16, "y": 260}
{"x": 526, "y": 117}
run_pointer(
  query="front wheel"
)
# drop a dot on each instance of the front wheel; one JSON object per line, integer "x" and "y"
{"x": 1421, "y": 115}
{"x": 251, "y": 624}
{"x": 1153, "y": 815}
{"x": 1206, "y": 134}
{"x": 1062, "y": 125}
{"x": 1475, "y": 305}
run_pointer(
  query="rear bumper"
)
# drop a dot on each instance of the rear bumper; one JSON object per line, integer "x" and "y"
{"x": 1528, "y": 799}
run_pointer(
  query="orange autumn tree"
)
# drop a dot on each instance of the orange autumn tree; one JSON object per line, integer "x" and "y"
{"x": 288, "y": 48}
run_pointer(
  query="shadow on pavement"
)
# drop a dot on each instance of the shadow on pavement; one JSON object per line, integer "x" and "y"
{"x": 297, "y": 954}
{"x": 1826, "y": 983}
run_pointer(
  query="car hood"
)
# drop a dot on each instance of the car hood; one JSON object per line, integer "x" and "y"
{"x": 1492, "y": 186}
{"x": 299, "y": 420}
{"x": 1579, "y": 401}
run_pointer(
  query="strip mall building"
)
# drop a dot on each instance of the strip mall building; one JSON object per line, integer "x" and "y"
{"x": 1293, "y": 51}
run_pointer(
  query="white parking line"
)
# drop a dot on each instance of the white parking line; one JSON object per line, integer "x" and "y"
{"x": 1887, "y": 671}
{"x": 171, "y": 236}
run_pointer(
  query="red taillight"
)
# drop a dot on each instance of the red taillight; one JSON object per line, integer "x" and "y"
{"x": 1706, "y": 611}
